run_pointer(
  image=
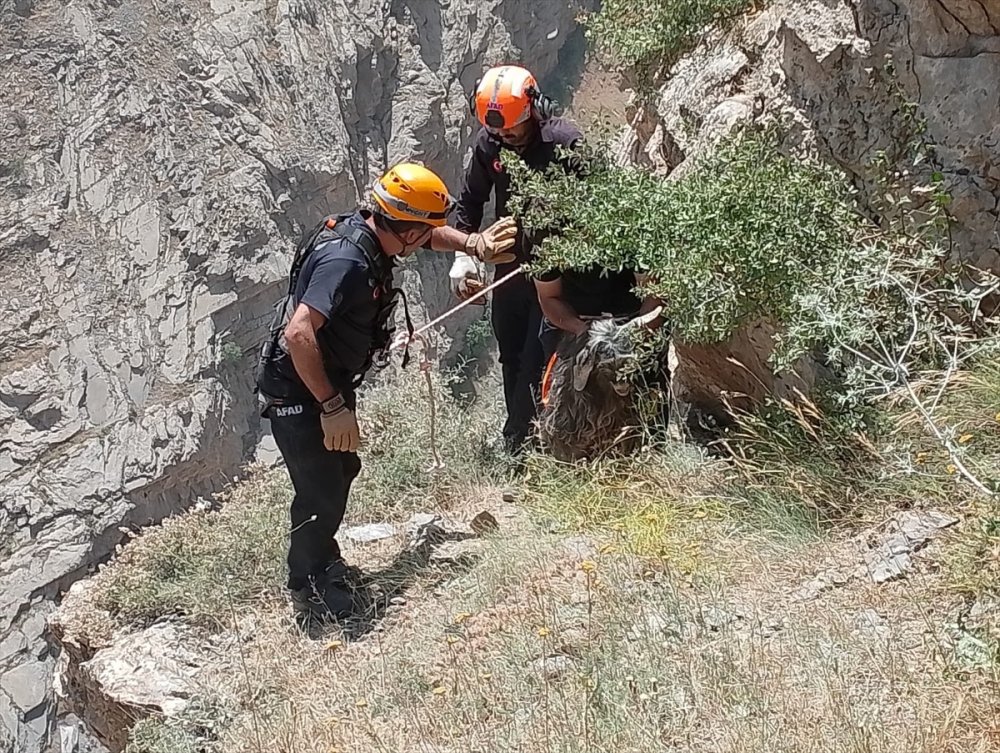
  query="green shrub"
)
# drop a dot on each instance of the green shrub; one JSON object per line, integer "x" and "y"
{"x": 746, "y": 235}
{"x": 155, "y": 736}
{"x": 751, "y": 234}
{"x": 230, "y": 353}
{"x": 642, "y": 36}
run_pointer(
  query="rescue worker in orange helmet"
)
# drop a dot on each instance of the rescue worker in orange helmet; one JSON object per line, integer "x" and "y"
{"x": 515, "y": 116}
{"x": 334, "y": 324}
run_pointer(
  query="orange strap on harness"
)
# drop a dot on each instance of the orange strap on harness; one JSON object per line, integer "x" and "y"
{"x": 547, "y": 380}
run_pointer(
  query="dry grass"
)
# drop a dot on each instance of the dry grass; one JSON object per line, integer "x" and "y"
{"x": 649, "y": 663}
{"x": 397, "y": 447}
{"x": 663, "y": 586}
{"x": 203, "y": 565}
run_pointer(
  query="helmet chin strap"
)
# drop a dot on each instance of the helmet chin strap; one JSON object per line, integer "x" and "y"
{"x": 404, "y": 247}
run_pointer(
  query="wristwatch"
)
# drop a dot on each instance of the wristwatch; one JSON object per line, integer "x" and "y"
{"x": 333, "y": 405}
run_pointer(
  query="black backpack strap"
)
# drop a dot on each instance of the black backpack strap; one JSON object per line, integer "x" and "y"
{"x": 368, "y": 245}
{"x": 382, "y": 267}
{"x": 306, "y": 245}
{"x": 409, "y": 327}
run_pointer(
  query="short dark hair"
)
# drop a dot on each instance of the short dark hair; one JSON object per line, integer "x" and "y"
{"x": 384, "y": 222}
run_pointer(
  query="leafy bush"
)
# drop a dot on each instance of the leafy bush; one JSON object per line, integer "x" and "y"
{"x": 230, "y": 353}
{"x": 155, "y": 736}
{"x": 644, "y": 35}
{"x": 751, "y": 234}
{"x": 744, "y": 236}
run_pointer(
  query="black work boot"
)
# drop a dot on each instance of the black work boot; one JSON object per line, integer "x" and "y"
{"x": 327, "y": 597}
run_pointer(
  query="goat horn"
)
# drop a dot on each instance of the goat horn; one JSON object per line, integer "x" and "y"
{"x": 645, "y": 319}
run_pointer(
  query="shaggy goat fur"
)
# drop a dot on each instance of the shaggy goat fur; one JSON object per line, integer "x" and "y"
{"x": 591, "y": 409}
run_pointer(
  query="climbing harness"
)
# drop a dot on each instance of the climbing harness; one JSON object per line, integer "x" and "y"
{"x": 380, "y": 276}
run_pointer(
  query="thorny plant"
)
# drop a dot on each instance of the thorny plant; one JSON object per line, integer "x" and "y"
{"x": 926, "y": 317}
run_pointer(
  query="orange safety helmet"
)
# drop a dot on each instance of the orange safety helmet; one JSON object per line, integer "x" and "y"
{"x": 504, "y": 96}
{"x": 413, "y": 193}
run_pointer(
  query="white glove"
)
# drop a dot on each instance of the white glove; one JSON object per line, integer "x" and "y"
{"x": 464, "y": 270}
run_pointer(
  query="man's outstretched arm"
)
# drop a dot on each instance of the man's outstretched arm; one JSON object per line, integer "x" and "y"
{"x": 556, "y": 309}
{"x": 476, "y": 188}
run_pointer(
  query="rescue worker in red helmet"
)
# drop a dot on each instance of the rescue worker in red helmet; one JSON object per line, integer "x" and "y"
{"x": 334, "y": 324}
{"x": 514, "y": 115}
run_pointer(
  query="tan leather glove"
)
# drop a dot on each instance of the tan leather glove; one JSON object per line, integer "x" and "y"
{"x": 340, "y": 431}
{"x": 464, "y": 271}
{"x": 494, "y": 243}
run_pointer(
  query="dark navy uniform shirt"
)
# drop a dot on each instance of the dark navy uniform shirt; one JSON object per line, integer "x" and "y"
{"x": 336, "y": 282}
{"x": 486, "y": 174}
{"x": 595, "y": 291}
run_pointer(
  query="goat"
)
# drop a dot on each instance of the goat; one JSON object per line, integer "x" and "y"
{"x": 589, "y": 408}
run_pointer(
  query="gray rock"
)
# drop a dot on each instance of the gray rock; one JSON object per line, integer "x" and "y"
{"x": 884, "y": 566}
{"x": 154, "y": 671}
{"x": 36, "y": 729}
{"x": 870, "y": 622}
{"x": 10, "y": 725}
{"x": 657, "y": 626}
{"x": 484, "y": 523}
{"x": 370, "y": 532}
{"x": 579, "y": 547}
{"x": 887, "y": 558}
{"x": 891, "y": 559}
{"x": 716, "y": 618}
{"x": 813, "y": 588}
{"x": 27, "y": 685}
{"x": 13, "y": 644}
{"x": 984, "y": 616}
{"x": 919, "y": 528}
{"x": 140, "y": 241}
{"x": 69, "y": 738}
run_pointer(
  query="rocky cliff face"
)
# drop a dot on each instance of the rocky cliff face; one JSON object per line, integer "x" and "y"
{"x": 156, "y": 162}
{"x": 823, "y": 63}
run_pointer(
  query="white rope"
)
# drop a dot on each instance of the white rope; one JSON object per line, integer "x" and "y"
{"x": 402, "y": 341}
{"x": 425, "y": 359}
